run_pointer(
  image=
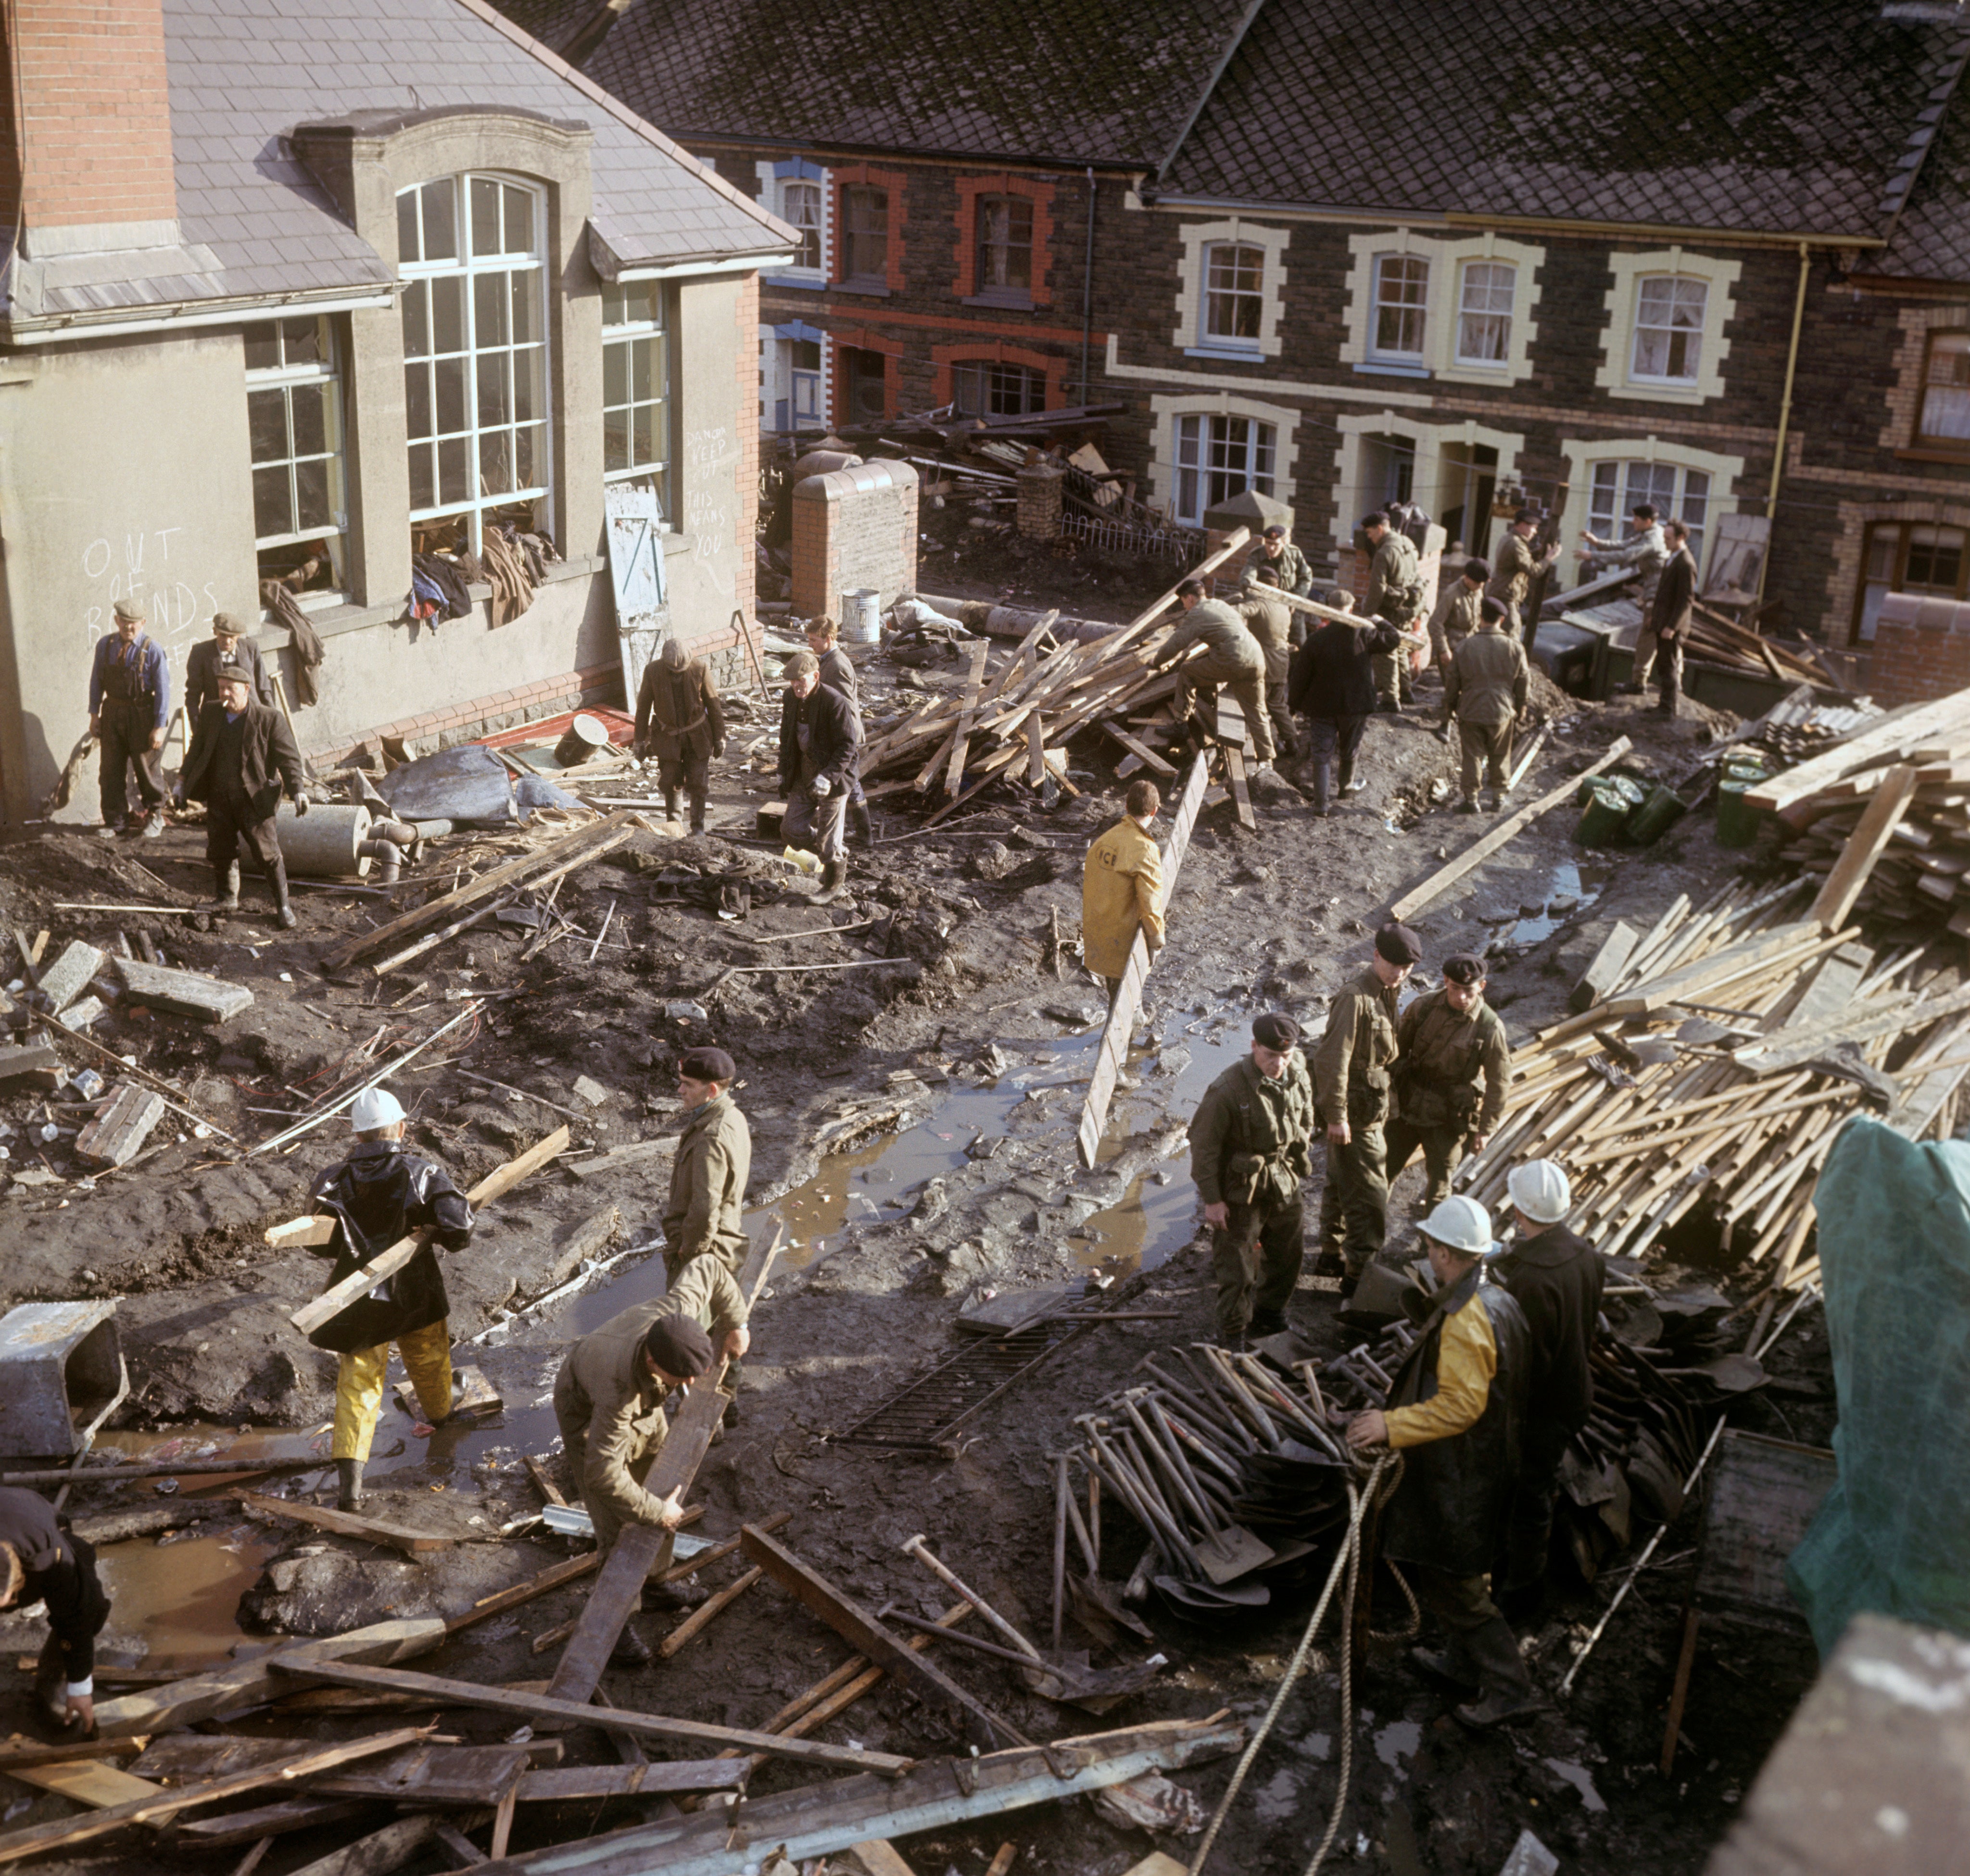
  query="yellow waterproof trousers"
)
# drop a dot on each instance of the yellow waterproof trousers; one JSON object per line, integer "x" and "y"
{"x": 359, "y": 1386}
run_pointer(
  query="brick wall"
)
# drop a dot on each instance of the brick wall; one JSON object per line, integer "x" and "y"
{"x": 97, "y": 109}
{"x": 854, "y": 527}
{"x": 1922, "y": 650}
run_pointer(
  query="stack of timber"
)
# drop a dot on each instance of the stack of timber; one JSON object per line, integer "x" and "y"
{"x": 1712, "y": 1070}
{"x": 1714, "y": 639}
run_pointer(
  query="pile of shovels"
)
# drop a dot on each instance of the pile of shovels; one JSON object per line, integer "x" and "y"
{"x": 1233, "y": 1474}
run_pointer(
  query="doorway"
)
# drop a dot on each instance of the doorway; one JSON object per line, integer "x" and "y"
{"x": 1469, "y": 476}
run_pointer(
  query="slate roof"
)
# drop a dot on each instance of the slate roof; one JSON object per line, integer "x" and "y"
{"x": 244, "y": 73}
{"x": 1085, "y": 81}
{"x": 1931, "y": 239}
{"x": 1790, "y": 116}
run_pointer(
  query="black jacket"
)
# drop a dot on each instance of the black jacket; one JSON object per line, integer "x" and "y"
{"x": 1675, "y": 595}
{"x": 834, "y": 737}
{"x": 268, "y": 758}
{"x": 61, "y": 1572}
{"x": 1556, "y": 1278}
{"x": 202, "y": 664}
{"x": 1331, "y": 677}
{"x": 379, "y": 1194}
{"x": 1449, "y": 1511}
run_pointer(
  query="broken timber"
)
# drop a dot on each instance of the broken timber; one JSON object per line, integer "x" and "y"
{"x": 331, "y": 1303}
{"x": 1122, "y": 1018}
{"x": 536, "y": 1708}
{"x": 820, "y": 1820}
{"x": 345, "y": 1523}
{"x": 561, "y": 1783}
{"x": 1479, "y": 851}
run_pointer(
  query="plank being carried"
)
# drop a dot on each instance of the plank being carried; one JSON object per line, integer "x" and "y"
{"x": 1850, "y": 873}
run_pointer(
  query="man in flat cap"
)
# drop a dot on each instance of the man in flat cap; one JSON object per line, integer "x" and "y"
{"x": 1453, "y": 1068}
{"x": 242, "y": 754}
{"x": 703, "y": 1219}
{"x": 820, "y": 745}
{"x": 609, "y": 1401}
{"x": 1351, "y": 1080}
{"x": 1516, "y": 565}
{"x": 1485, "y": 692}
{"x": 129, "y": 709}
{"x": 228, "y": 645}
{"x": 1273, "y": 553}
{"x": 1249, "y": 1148}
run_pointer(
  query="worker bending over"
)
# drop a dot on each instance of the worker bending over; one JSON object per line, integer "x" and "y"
{"x": 41, "y": 1560}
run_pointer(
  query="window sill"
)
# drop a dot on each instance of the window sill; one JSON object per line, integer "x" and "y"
{"x": 1665, "y": 393}
{"x": 811, "y": 283}
{"x": 1933, "y": 452}
{"x": 1379, "y": 368}
{"x": 1003, "y": 303}
{"x": 1226, "y": 354}
{"x": 332, "y": 621}
{"x": 869, "y": 289}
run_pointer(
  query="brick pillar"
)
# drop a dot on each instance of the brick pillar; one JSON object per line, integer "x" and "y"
{"x": 854, "y": 527}
{"x": 1921, "y": 650}
{"x": 1040, "y": 501}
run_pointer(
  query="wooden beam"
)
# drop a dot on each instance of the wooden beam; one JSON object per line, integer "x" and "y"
{"x": 233, "y": 1828}
{"x": 345, "y": 1523}
{"x": 1234, "y": 766}
{"x": 961, "y": 742}
{"x": 100, "y": 1787}
{"x": 333, "y": 1301}
{"x": 1601, "y": 977}
{"x": 1479, "y": 851}
{"x": 536, "y": 1707}
{"x": 562, "y": 1784}
{"x": 1138, "y": 748}
{"x": 298, "y": 1234}
{"x": 1849, "y": 877}
{"x": 377, "y": 1855}
{"x": 1910, "y": 727}
{"x": 861, "y": 1630}
{"x": 435, "y": 1775}
{"x": 705, "y": 1614}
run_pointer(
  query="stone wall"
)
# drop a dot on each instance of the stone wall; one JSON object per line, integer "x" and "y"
{"x": 1922, "y": 650}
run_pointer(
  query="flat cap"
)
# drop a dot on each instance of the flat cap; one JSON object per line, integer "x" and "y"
{"x": 707, "y": 1064}
{"x": 1463, "y": 968}
{"x": 1399, "y": 944}
{"x": 233, "y": 673}
{"x": 802, "y": 664}
{"x": 129, "y": 610}
{"x": 228, "y": 624}
{"x": 1275, "y": 1031}
{"x": 1531, "y": 511}
{"x": 679, "y": 1345}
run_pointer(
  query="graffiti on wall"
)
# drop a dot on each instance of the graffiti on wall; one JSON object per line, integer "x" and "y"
{"x": 140, "y": 566}
{"x": 711, "y": 495}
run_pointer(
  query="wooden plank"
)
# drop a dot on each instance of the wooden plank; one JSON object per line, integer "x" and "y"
{"x": 1912, "y": 727}
{"x": 1791, "y": 1048}
{"x": 635, "y": 1551}
{"x": 65, "y": 979}
{"x": 562, "y": 1784}
{"x": 960, "y": 745}
{"x": 183, "y": 992}
{"x": 298, "y": 1234}
{"x": 433, "y": 1775}
{"x": 345, "y": 1523}
{"x": 535, "y": 1708}
{"x": 1036, "y": 763}
{"x": 333, "y": 1301}
{"x": 180, "y": 1755}
{"x": 1138, "y": 748}
{"x": 116, "y": 1135}
{"x": 377, "y": 1855}
{"x": 1601, "y": 977}
{"x": 1760, "y": 950}
{"x": 882, "y": 1646}
{"x": 1234, "y": 765}
{"x": 550, "y": 1492}
{"x": 244, "y": 1683}
{"x": 64, "y": 1834}
{"x": 705, "y": 1614}
{"x": 290, "y": 1814}
{"x": 102, "y": 1787}
{"x": 1845, "y": 884}
{"x": 1479, "y": 851}
{"x": 877, "y": 1856}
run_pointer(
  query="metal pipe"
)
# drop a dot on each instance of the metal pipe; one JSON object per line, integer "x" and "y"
{"x": 1087, "y": 288}
{"x": 1785, "y": 415}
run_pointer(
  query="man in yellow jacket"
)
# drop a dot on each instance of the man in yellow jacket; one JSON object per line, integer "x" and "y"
{"x": 1122, "y": 890}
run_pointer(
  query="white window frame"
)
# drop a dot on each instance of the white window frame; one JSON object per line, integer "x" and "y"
{"x": 987, "y": 366}
{"x": 1443, "y": 309}
{"x": 1489, "y": 310}
{"x": 1191, "y": 334}
{"x": 1168, "y": 411}
{"x": 775, "y": 179}
{"x": 660, "y": 471}
{"x": 471, "y": 268}
{"x": 1617, "y": 373}
{"x": 289, "y": 378}
{"x": 1583, "y": 457}
{"x": 1610, "y": 520}
{"x": 1405, "y": 309}
{"x": 1233, "y": 341}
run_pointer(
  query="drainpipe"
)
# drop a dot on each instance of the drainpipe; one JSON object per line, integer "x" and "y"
{"x": 1785, "y": 417}
{"x": 1087, "y": 288}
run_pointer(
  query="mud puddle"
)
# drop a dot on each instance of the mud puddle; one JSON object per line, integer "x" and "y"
{"x": 1568, "y": 889}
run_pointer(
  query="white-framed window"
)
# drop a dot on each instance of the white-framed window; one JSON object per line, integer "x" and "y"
{"x": 1909, "y": 557}
{"x": 1943, "y": 419}
{"x": 1664, "y": 340}
{"x": 1486, "y": 290}
{"x": 474, "y": 314}
{"x": 1669, "y": 328}
{"x": 637, "y": 390}
{"x": 294, "y": 424}
{"x": 1005, "y": 248}
{"x": 801, "y": 205}
{"x": 987, "y": 388}
{"x": 1234, "y": 299}
{"x": 803, "y": 379}
{"x": 1402, "y": 300}
{"x": 1677, "y": 494}
{"x": 1219, "y": 455}
{"x": 797, "y": 192}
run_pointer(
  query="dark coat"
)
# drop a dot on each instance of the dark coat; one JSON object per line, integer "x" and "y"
{"x": 202, "y": 664}
{"x": 1556, "y": 1278}
{"x": 60, "y": 1570}
{"x": 379, "y": 1194}
{"x": 1331, "y": 676}
{"x": 834, "y": 737}
{"x": 1450, "y": 1510}
{"x": 680, "y": 716}
{"x": 1675, "y": 594}
{"x": 268, "y": 759}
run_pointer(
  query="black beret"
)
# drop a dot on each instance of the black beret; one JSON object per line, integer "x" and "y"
{"x": 707, "y": 1064}
{"x": 1478, "y": 570}
{"x": 679, "y": 1345}
{"x": 1399, "y": 944}
{"x": 1275, "y": 532}
{"x": 1275, "y": 1031}
{"x": 1491, "y": 608}
{"x": 1375, "y": 517}
{"x": 1465, "y": 967}
{"x": 1531, "y": 511}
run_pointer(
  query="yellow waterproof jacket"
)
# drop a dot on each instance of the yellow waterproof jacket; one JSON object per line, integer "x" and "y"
{"x": 1121, "y": 891}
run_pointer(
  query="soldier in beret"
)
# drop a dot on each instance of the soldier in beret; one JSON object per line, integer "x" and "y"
{"x": 242, "y": 754}
{"x": 703, "y": 1219}
{"x": 1453, "y": 1068}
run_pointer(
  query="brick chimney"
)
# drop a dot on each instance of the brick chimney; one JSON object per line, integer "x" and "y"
{"x": 85, "y": 127}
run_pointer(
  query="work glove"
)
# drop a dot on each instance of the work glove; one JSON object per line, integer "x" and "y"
{"x": 178, "y": 797}
{"x": 300, "y": 806}
{"x": 821, "y": 787}
{"x": 717, "y": 751}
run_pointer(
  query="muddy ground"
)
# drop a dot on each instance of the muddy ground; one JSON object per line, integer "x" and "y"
{"x": 960, "y": 1038}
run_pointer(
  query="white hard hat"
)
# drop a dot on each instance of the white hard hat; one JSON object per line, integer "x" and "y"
{"x": 375, "y": 1107}
{"x": 1539, "y": 1189}
{"x": 1463, "y": 1224}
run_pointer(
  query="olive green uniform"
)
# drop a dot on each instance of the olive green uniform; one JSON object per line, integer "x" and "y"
{"x": 1512, "y": 567}
{"x": 1458, "y": 614}
{"x": 1232, "y": 657}
{"x": 1351, "y": 1081}
{"x": 1395, "y": 593}
{"x": 1290, "y": 570}
{"x": 1486, "y": 689}
{"x": 1270, "y": 621}
{"x": 1452, "y": 1072}
{"x": 1249, "y": 1151}
{"x": 714, "y": 1160}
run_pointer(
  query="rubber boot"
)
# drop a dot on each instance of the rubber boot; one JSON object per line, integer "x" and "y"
{"x": 1508, "y": 1692}
{"x": 1348, "y": 785}
{"x": 349, "y": 1494}
{"x": 1322, "y": 775}
{"x": 225, "y": 888}
{"x": 670, "y": 803}
{"x": 283, "y": 913}
{"x": 630, "y": 1650}
{"x": 858, "y": 819}
{"x": 697, "y": 814}
{"x": 730, "y": 1417}
{"x": 1449, "y": 1663}
{"x": 833, "y": 881}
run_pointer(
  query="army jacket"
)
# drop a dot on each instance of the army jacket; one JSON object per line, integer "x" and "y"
{"x": 1293, "y": 572}
{"x": 1395, "y": 580}
{"x": 1249, "y": 1136}
{"x": 1489, "y": 681}
{"x": 1214, "y": 625}
{"x": 1458, "y": 614}
{"x": 1270, "y": 622}
{"x": 714, "y": 1160}
{"x": 1350, "y": 1068}
{"x": 1444, "y": 1055}
{"x": 1512, "y": 569}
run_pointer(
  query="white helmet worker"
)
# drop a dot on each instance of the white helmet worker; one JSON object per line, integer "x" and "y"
{"x": 1539, "y": 1189}
{"x": 1463, "y": 1224}
{"x": 375, "y": 1107}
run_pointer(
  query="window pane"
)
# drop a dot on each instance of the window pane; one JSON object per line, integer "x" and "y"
{"x": 417, "y": 319}
{"x": 495, "y": 406}
{"x": 526, "y": 307}
{"x": 528, "y": 403}
{"x": 641, "y": 442}
{"x": 450, "y": 375}
{"x": 496, "y": 461}
{"x": 448, "y": 314}
{"x": 485, "y": 216}
{"x": 423, "y": 490}
{"x": 453, "y": 471}
{"x": 639, "y": 368}
{"x": 614, "y": 374}
{"x": 1945, "y": 403}
{"x": 267, "y": 425}
{"x": 272, "y": 512}
{"x": 441, "y": 234}
{"x": 409, "y": 247}
{"x": 1401, "y": 285}
{"x": 615, "y": 440}
{"x": 489, "y": 310}
{"x": 303, "y": 342}
{"x": 417, "y": 400}
{"x": 519, "y": 206}
{"x": 311, "y": 495}
{"x": 530, "y": 459}
{"x": 263, "y": 347}
{"x": 311, "y": 424}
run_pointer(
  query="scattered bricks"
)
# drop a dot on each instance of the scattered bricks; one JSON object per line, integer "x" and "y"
{"x": 211, "y": 999}
{"x": 117, "y": 1135}
{"x": 1040, "y": 501}
{"x": 65, "y": 979}
{"x": 36, "y": 1065}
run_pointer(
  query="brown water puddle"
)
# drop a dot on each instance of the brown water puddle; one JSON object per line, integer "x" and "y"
{"x": 181, "y": 1600}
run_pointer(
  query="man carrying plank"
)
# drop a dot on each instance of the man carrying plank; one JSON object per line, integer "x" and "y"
{"x": 1232, "y": 657}
{"x": 379, "y": 1194}
{"x": 704, "y": 1219}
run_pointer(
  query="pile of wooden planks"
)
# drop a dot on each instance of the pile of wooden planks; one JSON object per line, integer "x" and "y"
{"x": 1714, "y": 639}
{"x": 1714, "y": 1069}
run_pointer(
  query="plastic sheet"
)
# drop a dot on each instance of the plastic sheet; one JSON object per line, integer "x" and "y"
{"x": 1892, "y": 1537}
{"x": 468, "y": 785}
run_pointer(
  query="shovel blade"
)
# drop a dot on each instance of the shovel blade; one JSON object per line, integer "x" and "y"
{"x": 1230, "y": 1553}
